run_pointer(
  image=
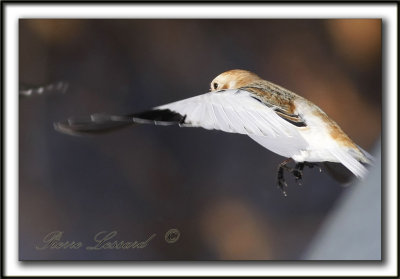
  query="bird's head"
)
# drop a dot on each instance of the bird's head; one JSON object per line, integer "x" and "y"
{"x": 233, "y": 79}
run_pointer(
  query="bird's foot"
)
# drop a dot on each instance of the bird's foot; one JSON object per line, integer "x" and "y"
{"x": 281, "y": 179}
{"x": 297, "y": 172}
{"x": 311, "y": 165}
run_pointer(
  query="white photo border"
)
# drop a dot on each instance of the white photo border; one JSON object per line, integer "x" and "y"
{"x": 12, "y": 11}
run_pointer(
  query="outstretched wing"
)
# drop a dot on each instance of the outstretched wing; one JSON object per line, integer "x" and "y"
{"x": 233, "y": 111}
{"x": 239, "y": 111}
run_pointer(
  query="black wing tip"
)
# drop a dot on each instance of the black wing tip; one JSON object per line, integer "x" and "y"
{"x": 66, "y": 128}
{"x": 73, "y": 128}
{"x": 159, "y": 117}
{"x": 100, "y": 123}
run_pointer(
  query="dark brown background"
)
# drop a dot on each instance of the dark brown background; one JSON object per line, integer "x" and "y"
{"x": 217, "y": 188}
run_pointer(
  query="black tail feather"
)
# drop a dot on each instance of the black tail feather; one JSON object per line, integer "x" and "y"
{"x": 339, "y": 172}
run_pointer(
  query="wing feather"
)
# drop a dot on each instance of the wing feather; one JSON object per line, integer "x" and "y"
{"x": 221, "y": 118}
{"x": 237, "y": 124}
{"x": 236, "y": 111}
{"x": 266, "y": 129}
{"x": 250, "y": 124}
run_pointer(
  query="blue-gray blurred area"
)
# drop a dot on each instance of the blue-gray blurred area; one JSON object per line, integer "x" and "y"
{"x": 352, "y": 231}
{"x": 218, "y": 189}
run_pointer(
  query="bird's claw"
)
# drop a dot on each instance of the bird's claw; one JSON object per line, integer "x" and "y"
{"x": 281, "y": 180}
{"x": 297, "y": 172}
{"x": 311, "y": 165}
{"x": 282, "y": 183}
{"x": 298, "y": 176}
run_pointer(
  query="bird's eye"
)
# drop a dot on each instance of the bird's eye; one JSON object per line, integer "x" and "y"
{"x": 215, "y": 85}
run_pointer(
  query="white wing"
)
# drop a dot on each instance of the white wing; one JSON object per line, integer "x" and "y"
{"x": 235, "y": 111}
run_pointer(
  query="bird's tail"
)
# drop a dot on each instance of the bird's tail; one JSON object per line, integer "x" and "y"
{"x": 100, "y": 123}
{"x": 351, "y": 165}
{"x": 339, "y": 172}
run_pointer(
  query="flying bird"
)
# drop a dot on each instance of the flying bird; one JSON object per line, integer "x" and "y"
{"x": 241, "y": 102}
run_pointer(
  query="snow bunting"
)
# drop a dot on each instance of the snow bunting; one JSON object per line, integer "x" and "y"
{"x": 242, "y": 102}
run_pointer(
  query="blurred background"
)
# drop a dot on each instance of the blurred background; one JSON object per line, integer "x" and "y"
{"x": 218, "y": 189}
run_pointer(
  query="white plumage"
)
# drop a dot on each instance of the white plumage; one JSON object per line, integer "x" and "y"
{"x": 241, "y": 102}
{"x": 236, "y": 111}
